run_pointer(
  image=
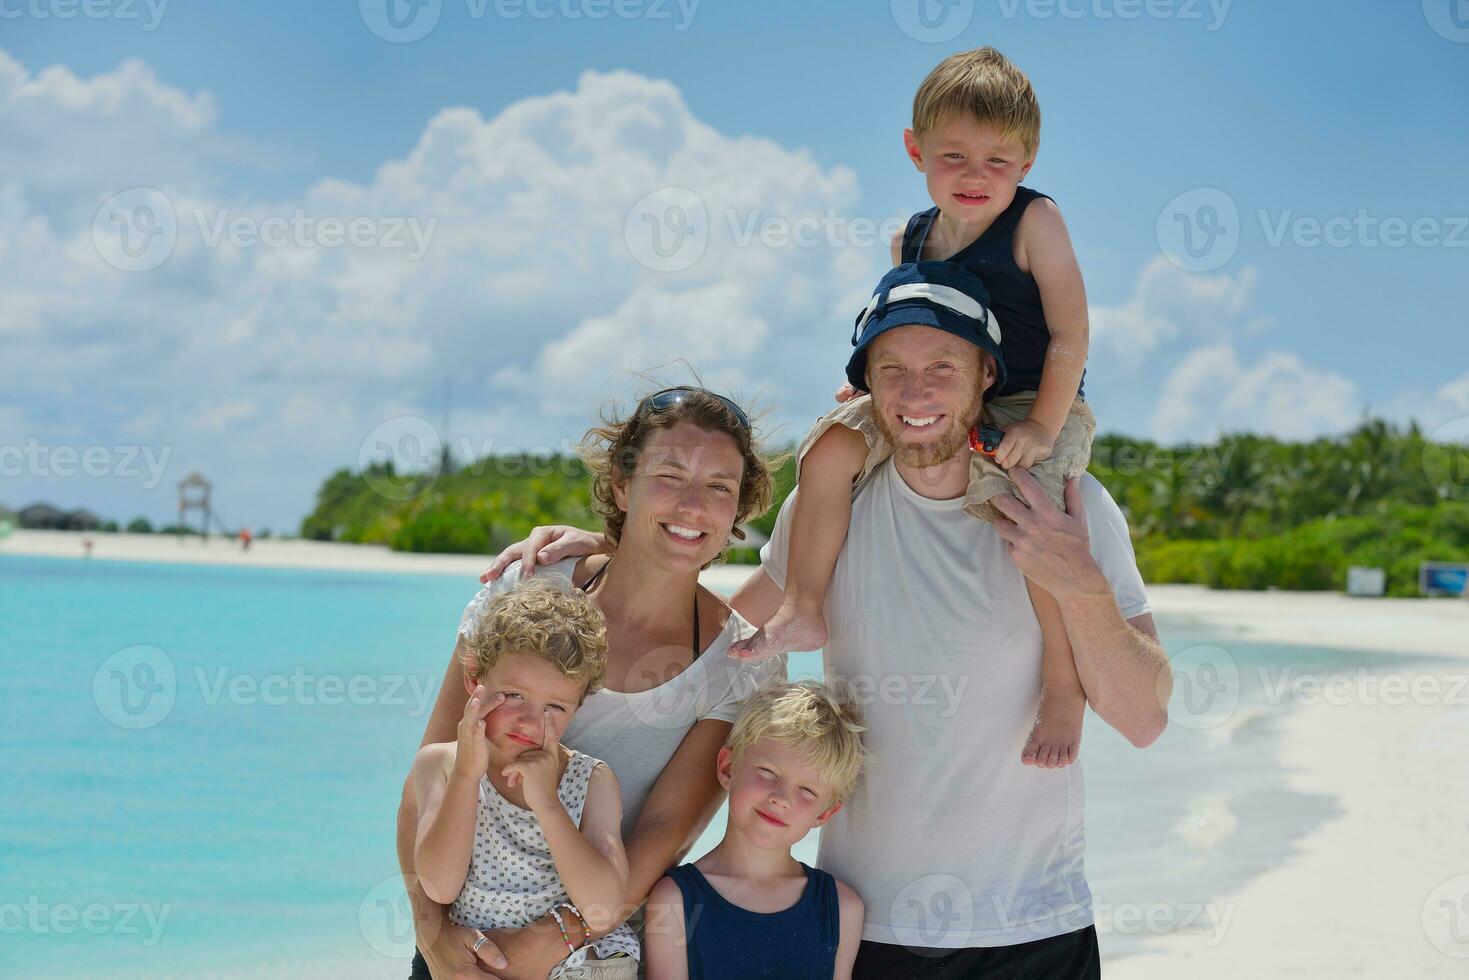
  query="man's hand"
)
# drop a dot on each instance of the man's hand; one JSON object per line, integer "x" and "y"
{"x": 545, "y": 546}
{"x": 1049, "y": 545}
{"x": 537, "y": 771}
{"x": 1026, "y": 443}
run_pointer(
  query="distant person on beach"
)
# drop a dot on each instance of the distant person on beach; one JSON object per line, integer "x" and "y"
{"x": 672, "y": 481}
{"x": 513, "y": 825}
{"x": 970, "y": 863}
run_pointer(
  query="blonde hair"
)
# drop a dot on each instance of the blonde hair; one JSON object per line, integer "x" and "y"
{"x": 809, "y": 716}
{"x": 545, "y": 618}
{"x": 985, "y": 85}
{"x": 611, "y": 452}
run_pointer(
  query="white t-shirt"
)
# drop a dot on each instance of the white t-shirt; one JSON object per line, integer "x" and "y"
{"x": 636, "y": 734}
{"x": 949, "y": 840}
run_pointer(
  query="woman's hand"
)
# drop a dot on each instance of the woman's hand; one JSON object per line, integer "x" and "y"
{"x": 472, "y": 756}
{"x": 546, "y": 546}
{"x": 448, "y": 949}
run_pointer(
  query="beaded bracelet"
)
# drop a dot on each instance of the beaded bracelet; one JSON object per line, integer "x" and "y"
{"x": 586, "y": 929}
{"x": 564, "y": 937}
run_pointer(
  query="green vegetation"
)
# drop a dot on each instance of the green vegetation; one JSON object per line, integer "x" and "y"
{"x": 1247, "y": 512}
{"x": 1252, "y": 513}
{"x": 477, "y": 509}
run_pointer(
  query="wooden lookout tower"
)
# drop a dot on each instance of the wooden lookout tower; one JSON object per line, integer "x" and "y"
{"x": 194, "y": 495}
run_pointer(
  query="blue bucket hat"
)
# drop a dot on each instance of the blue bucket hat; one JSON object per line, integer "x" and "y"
{"x": 943, "y": 295}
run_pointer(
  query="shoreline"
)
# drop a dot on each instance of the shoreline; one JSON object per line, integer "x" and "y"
{"x": 1427, "y": 627}
{"x": 287, "y": 553}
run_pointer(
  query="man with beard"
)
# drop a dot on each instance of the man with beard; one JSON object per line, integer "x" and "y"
{"x": 970, "y": 863}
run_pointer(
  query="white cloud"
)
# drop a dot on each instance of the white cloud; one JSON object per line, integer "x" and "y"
{"x": 1446, "y": 405}
{"x": 1171, "y": 309}
{"x": 1212, "y": 392}
{"x": 267, "y": 366}
{"x": 1185, "y": 359}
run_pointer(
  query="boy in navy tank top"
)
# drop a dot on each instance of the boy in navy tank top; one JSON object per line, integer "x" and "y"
{"x": 748, "y": 908}
{"x": 976, "y": 128}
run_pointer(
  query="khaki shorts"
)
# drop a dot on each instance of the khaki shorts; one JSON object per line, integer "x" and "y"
{"x": 618, "y": 968}
{"x": 987, "y": 480}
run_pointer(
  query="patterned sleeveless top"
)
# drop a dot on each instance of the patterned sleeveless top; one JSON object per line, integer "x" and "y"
{"x": 512, "y": 880}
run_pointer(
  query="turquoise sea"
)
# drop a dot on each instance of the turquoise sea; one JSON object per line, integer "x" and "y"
{"x": 202, "y": 768}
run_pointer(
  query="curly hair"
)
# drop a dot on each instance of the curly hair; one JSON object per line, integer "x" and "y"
{"x": 546, "y": 618}
{"x": 611, "y": 452}
{"x": 817, "y": 719}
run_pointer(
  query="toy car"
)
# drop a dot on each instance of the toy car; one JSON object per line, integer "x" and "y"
{"x": 984, "y": 439}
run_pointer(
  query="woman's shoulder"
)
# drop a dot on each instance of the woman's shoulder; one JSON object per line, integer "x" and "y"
{"x": 732, "y": 626}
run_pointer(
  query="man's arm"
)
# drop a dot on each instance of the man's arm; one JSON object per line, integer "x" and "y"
{"x": 1122, "y": 667}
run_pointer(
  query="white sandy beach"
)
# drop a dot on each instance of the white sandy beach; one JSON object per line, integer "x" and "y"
{"x": 1380, "y": 890}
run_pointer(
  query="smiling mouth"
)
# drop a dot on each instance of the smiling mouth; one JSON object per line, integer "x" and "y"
{"x": 972, "y": 198}
{"x": 681, "y": 533}
{"x": 919, "y": 423}
{"x": 768, "y": 818}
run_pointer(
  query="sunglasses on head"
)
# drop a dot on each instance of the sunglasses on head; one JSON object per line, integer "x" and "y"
{"x": 669, "y": 397}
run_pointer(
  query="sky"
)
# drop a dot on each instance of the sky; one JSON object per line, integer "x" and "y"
{"x": 266, "y": 241}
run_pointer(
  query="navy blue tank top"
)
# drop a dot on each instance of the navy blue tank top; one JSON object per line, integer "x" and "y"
{"x": 726, "y": 942}
{"x": 1014, "y": 295}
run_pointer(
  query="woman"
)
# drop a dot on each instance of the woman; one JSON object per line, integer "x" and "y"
{"x": 671, "y": 483}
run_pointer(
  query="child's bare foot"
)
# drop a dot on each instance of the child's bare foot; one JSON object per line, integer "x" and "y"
{"x": 1055, "y": 740}
{"x": 791, "y": 628}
